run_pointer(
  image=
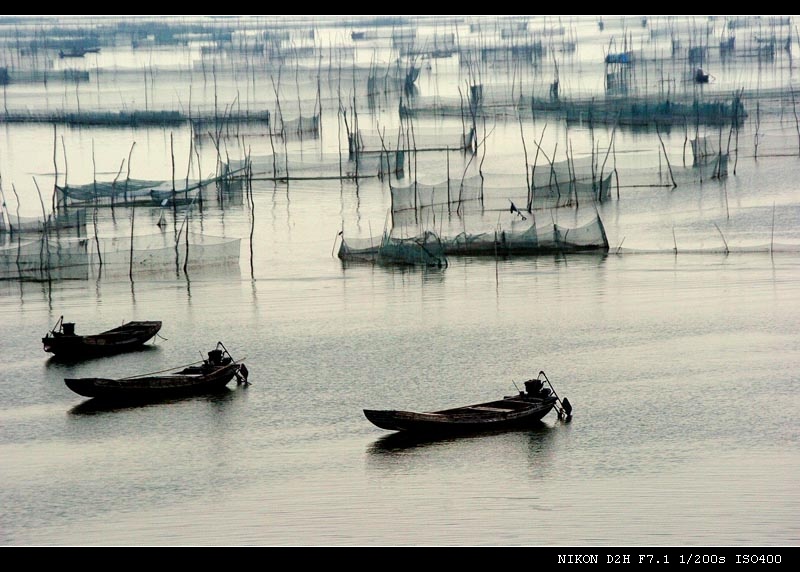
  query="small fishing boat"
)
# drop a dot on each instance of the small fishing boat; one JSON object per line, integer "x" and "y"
{"x": 514, "y": 411}
{"x": 62, "y": 340}
{"x": 700, "y": 76}
{"x": 77, "y": 52}
{"x": 206, "y": 376}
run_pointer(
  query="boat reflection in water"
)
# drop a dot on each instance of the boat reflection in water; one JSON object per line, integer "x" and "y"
{"x": 66, "y": 362}
{"x": 220, "y": 398}
{"x": 402, "y": 440}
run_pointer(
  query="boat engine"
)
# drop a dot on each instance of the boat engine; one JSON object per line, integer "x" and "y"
{"x": 242, "y": 374}
{"x": 566, "y": 409}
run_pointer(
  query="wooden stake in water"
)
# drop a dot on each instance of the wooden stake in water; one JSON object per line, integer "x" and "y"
{"x": 532, "y": 189}
{"x": 796, "y": 121}
{"x": 758, "y": 124}
{"x": 674, "y": 242}
{"x": 663, "y": 147}
{"x": 64, "y": 150}
{"x": 772, "y": 234}
{"x": 19, "y": 235}
{"x": 55, "y": 167}
{"x": 524, "y": 150}
{"x": 723, "y": 239}
{"x": 4, "y": 206}
{"x": 603, "y": 167}
{"x": 94, "y": 212}
{"x": 45, "y": 229}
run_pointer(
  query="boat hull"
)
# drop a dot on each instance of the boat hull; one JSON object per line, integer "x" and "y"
{"x": 127, "y": 337}
{"x": 154, "y": 387}
{"x": 482, "y": 417}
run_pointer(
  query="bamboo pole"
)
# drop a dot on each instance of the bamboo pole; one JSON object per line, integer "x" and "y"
{"x": 66, "y": 169}
{"x": 758, "y": 124}
{"x": 55, "y": 167}
{"x": 4, "y": 205}
{"x": 114, "y": 187}
{"x": 524, "y": 148}
{"x": 532, "y": 190}
{"x": 796, "y": 121}
{"x": 666, "y": 158}
{"x": 45, "y": 228}
{"x": 483, "y": 156}
{"x": 94, "y": 212}
{"x": 674, "y": 241}
{"x": 19, "y": 235}
{"x": 723, "y": 239}
{"x": 252, "y": 220}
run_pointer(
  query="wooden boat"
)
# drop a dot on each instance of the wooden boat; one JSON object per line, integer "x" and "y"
{"x": 210, "y": 375}
{"x": 700, "y": 76}
{"x": 77, "y": 52}
{"x": 514, "y": 411}
{"x": 63, "y": 341}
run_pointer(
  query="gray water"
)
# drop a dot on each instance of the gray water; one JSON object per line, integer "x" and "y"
{"x": 678, "y": 350}
{"x": 681, "y": 369}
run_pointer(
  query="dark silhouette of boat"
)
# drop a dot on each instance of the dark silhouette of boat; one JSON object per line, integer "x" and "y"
{"x": 209, "y": 375}
{"x": 514, "y": 411}
{"x": 77, "y": 52}
{"x": 62, "y": 340}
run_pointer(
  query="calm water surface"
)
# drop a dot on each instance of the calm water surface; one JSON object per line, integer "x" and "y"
{"x": 682, "y": 367}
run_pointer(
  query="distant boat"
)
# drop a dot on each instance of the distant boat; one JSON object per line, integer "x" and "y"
{"x": 63, "y": 341}
{"x": 515, "y": 411}
{"x": 77, "y": 52}
{"x": 700, "y": 76}
{"x": 207, "y": 376}
{"x": 619, "y": 58}
{"x": 173, "y": 198}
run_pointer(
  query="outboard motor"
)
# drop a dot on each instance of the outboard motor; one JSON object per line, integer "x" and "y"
{"x": 242, "y": 374}
{"x": 566, "y": 408}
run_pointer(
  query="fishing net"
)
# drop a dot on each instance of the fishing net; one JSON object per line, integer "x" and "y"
{"x": 50, "y": 259}
{"x": 425, "y": 249}
{"x": 36, "y": 224}
{"x": 310, "y": 166}
{"x": 44, "y": 259}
